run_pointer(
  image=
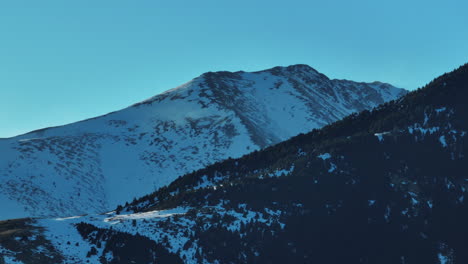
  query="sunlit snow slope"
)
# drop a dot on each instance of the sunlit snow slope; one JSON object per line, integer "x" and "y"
{"x": 93, "y": 165}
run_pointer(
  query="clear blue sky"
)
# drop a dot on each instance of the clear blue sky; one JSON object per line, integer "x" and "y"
{"x": 63, "y": 61}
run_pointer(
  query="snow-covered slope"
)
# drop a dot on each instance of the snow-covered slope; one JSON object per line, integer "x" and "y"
{"x": 93, "y": 165}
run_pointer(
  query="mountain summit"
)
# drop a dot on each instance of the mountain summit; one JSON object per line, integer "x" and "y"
{"x": 93, "y": 165}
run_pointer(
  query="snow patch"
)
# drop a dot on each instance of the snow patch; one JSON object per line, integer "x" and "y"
{"x": 443, "y": 141}
{"x": 442, "y": 259}
{"x": 146, "y": 215}
{"x": 380, "y": 135}
{"x": 282, "y": 172}
{"x": 324, "y": 156}
{"x": 440, "y": 110}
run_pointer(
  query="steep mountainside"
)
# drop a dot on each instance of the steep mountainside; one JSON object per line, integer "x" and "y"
{"x": 384, "y": 186}
{"x": 93, "y": 165}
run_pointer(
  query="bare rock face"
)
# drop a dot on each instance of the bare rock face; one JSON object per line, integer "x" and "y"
{"x": 96, "y": 164}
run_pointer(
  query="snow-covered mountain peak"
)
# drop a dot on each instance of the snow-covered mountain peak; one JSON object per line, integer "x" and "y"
{"x": 95, "y": 164}
{"x": 291, "y": 69}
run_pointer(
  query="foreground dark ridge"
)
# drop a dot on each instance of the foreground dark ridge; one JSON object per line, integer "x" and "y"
{"x": 391, "y": 117}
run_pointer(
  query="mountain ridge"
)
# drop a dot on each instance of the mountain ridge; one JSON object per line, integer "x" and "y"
{"x": 124, "y": 154}
{"x": 273, "y": 69}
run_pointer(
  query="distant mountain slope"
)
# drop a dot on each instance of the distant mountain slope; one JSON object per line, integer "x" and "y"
{"x": 383, "y": 186}
{"x": 93, "y": 165}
